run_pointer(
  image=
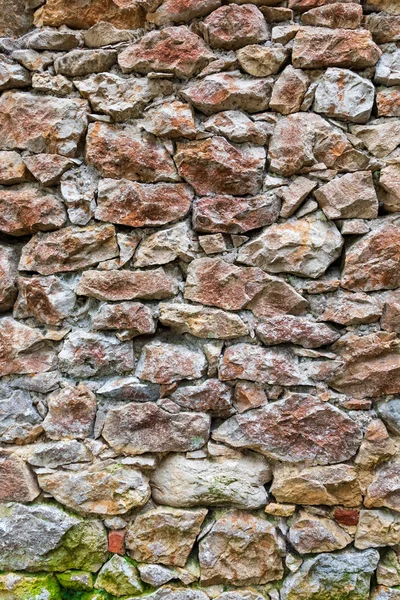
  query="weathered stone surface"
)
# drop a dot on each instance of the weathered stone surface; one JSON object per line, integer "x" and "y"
{"x": 26, "y": 209}
{"x": 388, "y": 68}
{"x": 17, "y": 482}
{"x": 214, "y": 166}
{"x": 348, "y": 308}
{"x": 118, "y": 576}
{"x": 384, "y": 490}
{"x": 54, "y": 125}
{"x": 371, "y": 365}
{"x": 316, "y": 47}
{"x": 330, "y": 485}
{"x": 8, "y": 276}
{"x": 21, "y": 350}
{"x": 70, "y": 249}
{"x": 171, "y": 120}
{"x": 132, "y": 429}
{"x": 212, "y": 397}
{"x": 164, "y": 535}
{"x": 110, "y": 488}
{"x": 377, "y": 528}
{"x": 167, "y": 245}
{"x": 289, "y": 91}
{"x": 223, "y": 481}
{"x": 104, "y": 33}
{"x": 177, "y": 593}
{"x": 294, "y": 194}
{"x": 20, "y": 422}
{"x": 128, "y": 388}
{"x": 13, "y": 75}
{"x": 262, "y": 61}
{"x": 56, "y": 85}
{"x": 128, "y": 285}
{"x": 384, "y": 28}
{"x": 48, "y": 299}
{"x": 181, "y": 11}
{"x": 389, "y": 412}
{"x": 240, "y": 549}
{"x": 164, "y": 363}
{"x": 119, "y": 151}
{"x": 387, "y": 101}
{"x": 51, "y": 39}
{"x": 380, "y": 136}
{"x": 16, "y": 18}
{"x": 328, "y": 435}
{"x": 133, "y": 317}
{"x": 331, "y": 576}
{"x": 229, "y": 214}
{"x": 17, "y": 586}
{"x": 303, "y": 140}
{"x": 372, "y": 262}
{"x": 296, "y": 330}
{"x": 47, "y": 168}
{"x": 348, "y": 197}
{"x": 228, "y": 91}
{"x": 238, "y": 128}
{"x": 344, "y": 95}
{"x": 234, "y": 26}
{"x": 310, "y": 534}
{"x": 202, "y": 322}
{"x": 389, "y": 181}
{"x": 56, "y": 454}
{"x": 73, "y": 14}
{"x": 303, "y": 247}
{"x": 79, "y": 63}
{"x": 172, "y": 50}
{"x": 71, "y": 413}
{"x": 12, "y": 168}
{"x": 88, "y": 354}
{"x": 334, "y": 15}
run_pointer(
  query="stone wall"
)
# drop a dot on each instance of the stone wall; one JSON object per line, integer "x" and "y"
{"x": 200, "y": 297}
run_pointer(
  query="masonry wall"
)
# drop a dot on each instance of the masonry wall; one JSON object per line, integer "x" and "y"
{"x": 200, "y": 298}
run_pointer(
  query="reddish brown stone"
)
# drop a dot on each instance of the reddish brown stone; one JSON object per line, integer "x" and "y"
{"x": 249, "y": 395}
{"x": 164, "y": 363}
{"x": 172, "y": 50}
{"x": 229, "y": 214}
{"x": 47, "y": 168}
{"x": 388, "y": 102}
{"x": 48, "y": 299}
{"x": 296, "y": 330}
{"x": 134, "y": 317}
{"x": 181, "y": 11}
{"x": 347, "y": 516}
{"x": 17, "y": 482}
{"x": 119, "y": 151}
{"x": 171, "y": 120}
{"x": 336, "y": 15}
{"x": 72, "y": 411}
{"x": 384, "y": 28}
{"x": 116, "y": 541}
{"x": 20, "y": 351}
{"x": 214, "y": 166}
{"x": 212, "y": 396}
{"x": 114, "y": 285}
{"x": 27, "y": 209}
{"x": 231, "y": 27}
{"x": 124, "y": 15}
{"x": 137, "y": 205}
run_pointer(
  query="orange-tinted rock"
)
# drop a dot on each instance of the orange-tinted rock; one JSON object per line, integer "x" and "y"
{"x": 212, "y": 396}
{"x": 162, "y": 362}
{"x": 47, "y": 168}
{"x": 328, "y": 435}
{"x": 116, "y": 541}
{"x": 296, "y": 330}
{"x": 346, "y": 516}
{"x": 373, "y": 262}
{"x": 276, "y": 366}
{"x": 172, "y": 50}
{"x": 17, "y": 482}
{"x": 69, "y": 249}
{"x": 371, "y": 365}
{"x": 119, "y": 151}
{"x": 388, "y": 102}
{"x": 171, "y": 120}
{"x": 181, "y": 11}
{"x": 316, "y": 47}
{"x": 138, "y": 205}
{"x": 12, "y": 168}
{"x": 335, "y": 15}
{"x": 134, "y": 317}
{"x": 129, "y": 15}
{"x": 384, "y": 490}
{"x": 214, "y": 166}
{"x": 48, "y": 299}
{"x": 8, "y": 276}
{"x": 154, "y": 284}
{"x": 391, "y": 315}
{"x": 28, "y": 209}
{"x": 289, "y": 91}
{"x": 20, "y": 350}
{"x": 249, "y": 395}
{"x": 384, "y": 28}
{"x": 231, "y": 27}
{"x": 229, "y": 214}
{"x": 228, "y": 91}
{"x": 54, "y": 125}
{"x": 72, "y": 411}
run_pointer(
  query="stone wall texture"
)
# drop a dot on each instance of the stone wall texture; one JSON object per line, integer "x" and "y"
{"x": 200, "y": 299}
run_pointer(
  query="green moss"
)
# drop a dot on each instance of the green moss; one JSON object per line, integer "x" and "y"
{"x": 76, "y": 580}
{"x": 18, "y": 586}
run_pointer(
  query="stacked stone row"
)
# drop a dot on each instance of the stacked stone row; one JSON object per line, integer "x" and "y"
{"x": 200, "y": 298}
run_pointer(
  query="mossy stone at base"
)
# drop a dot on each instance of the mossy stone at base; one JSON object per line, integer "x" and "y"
{"x": 76, "y": 580}
{"x": 16, "y": 586}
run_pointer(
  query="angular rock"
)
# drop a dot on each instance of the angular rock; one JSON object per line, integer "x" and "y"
{"x": 388, "y": 68}
{"x": 177, "y": 593}
{"x": 164, "y": 535}
{"x": 384, "y": 28}
{"x": 173, "y": 50}
{"x": 294, "y": 194}
{"x": 384, "y": 490}
{"x": 228, "y": 91}
{"x": 348, "y": 308}
{"x": 110, "y": 488}
{"x": 162, "y": 362}
{"x": 238, "y": 128}
{"x": 296, "y": 330}
{"x": 230, "y": 214}
{"x": 119, "y": 151}
{"x": 167, "y": 245}
{"x": 20, "y": 423}
{"x": 328, "y": 435}
{"x": 289, "y": 91}
{"x": 154, "y": 284}
{"x": 262, "y": 61}
{"x": 105, "y": 34}
{"x": 171, "y": 120}
{"x": 181, "y": 11}
{"x": 342, "y": 94}
{"x": 391, "y": 315}
{"x": 389, "y": 182}
{"x": 70, "y": 249}
{"x": 318, "y": 47}
{"x": 224, "y": 481}
{"x": 47, "y": 38}
{"x": 138, "y": 428}
{"x": 212, "y": 396}
{"x": 128, "y": 388}
{"x": 18, "y": 586}
{"x": 16, "y": 18}
{"x": 17, "y": 482}
{"x": 304, "y": 247}
{"x": 351, "y": 196}
{"x": 240, "y": 549}
{"x": 372, "y": 262}
{"x": 377, "y": 528}
{"x": 8, "y": 276}
{"x": 72, "y": 14}
{"x": 380, "y": 136}
{"x": 303, "y": 140}
{"x": 387, "y": 572}
{"x": 26, "y": 209}
{"x": 214, "y": 166}
{"x": 21, "y": 350}
{"x": 331, "y": 576}
{"x": 134, "y": 317}
{"x": 202, "y": 322}
{"x": 118, "y": 576}
{"x": 12, "y": 168}
{"x": 71, "y": 413}
{"x": 388, "y": 100}
{"x": 79, "y": 63}
{"x": 329, "y": 485}
{"x": 335, "y": 15}
{"x": 310, "y": 534}
{"x": 54, "y": 125}
{"x": 13, "y": 75}
{"x": 57, "y": 454}
{"x": 389, "y": 411}
{"x": 56, "y": 85}
{"x": 233, "y": 26}
{"x": 48, "y": 299}
{"x": 47, "y": 168}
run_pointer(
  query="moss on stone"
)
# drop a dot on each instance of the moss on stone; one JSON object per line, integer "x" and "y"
{"x": 18, "y": 586}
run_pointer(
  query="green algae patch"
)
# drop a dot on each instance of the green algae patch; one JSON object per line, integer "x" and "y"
{"x": 18, "y": 586}
{"x": 76, "y": 580}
